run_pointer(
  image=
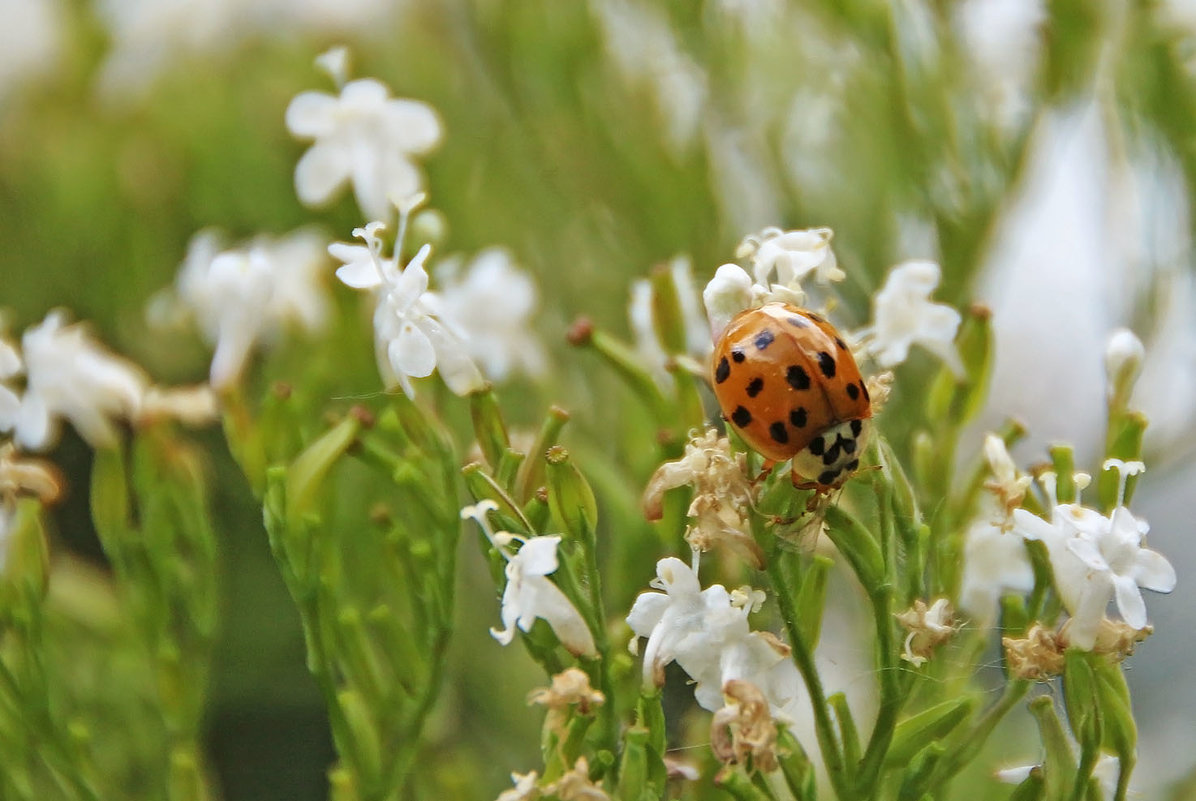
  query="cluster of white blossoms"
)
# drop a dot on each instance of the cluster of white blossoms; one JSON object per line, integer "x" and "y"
{"x": 529, "y": 593}
{"x": 248, "y": 294}
{"x": 1095, "y": 558}
{"x": 706, "y": 632}
{"x": 903, "y": 313}
{"x": 62, "y": 373}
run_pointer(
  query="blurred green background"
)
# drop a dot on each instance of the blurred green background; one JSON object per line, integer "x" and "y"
{"x": 596, "y": 139}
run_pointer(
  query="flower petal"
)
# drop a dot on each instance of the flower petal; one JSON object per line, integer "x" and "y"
{"x": 457, "y": 369}
{"x": 10, "y": 407}
{"x": 538, "y": 556}
{"x": 321, "y": 173}
{"x": 359, "y": 275}
{"x": 311, "y": 115}
{"x": 34, "y": 428}
{"x": 646, "y": 612}
{"x": 411, "y": 352}
{"x": 1129, "y": 601}
{"x": 1152, "y": 571}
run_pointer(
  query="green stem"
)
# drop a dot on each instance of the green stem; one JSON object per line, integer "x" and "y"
{"x": 804, "y": 660}
{"x": 967, "y": 747}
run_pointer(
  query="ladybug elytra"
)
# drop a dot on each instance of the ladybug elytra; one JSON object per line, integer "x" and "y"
{"x": 787, "y": 382}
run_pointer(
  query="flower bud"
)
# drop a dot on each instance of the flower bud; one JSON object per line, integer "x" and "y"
{"x": 570, "y": 497}
{"x": 1123, "y": 362}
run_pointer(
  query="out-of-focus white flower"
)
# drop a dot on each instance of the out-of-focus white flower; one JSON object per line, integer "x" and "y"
{"x": 335, "y": 63}
{"x": 150, "y": 36}
{"x": 722, "y": 495}
{"x": 904, "y": 316}
{"x": 708, "y": 637}
{"x": 365, "y": 136}
{"x": 1096, "y": 559}
{"x": 642, "y": 318}
{"x": 491, "y": 302}
{"x": 30, "y": 40}
{"x": 789, "y": 257}
{"x": 249, "y": 294}
{"x": 995, "y": 562}
{"x": 10, "y": 367}
{"x": 643, "y": 47}
{"x": 529, "y": 594}
{"x": 410, "y": 339}
{"x": 68, "y": 374}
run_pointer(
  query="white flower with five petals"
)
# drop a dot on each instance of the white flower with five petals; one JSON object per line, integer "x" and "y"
{"x": 491, "y": 302}
{"x": 410, "y": 338}
{"x": 363, "y": 136}
{"x": 1096, "y": 559}
{"x": 68, "y": 374}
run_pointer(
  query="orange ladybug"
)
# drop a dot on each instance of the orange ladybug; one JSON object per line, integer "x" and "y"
{"x": 786, "y": 380}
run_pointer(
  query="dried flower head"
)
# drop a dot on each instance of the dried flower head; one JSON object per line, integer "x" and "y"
{"x": 928, "y": 627}
{"x": 1036, "y": 657}
{"x": 1006, "y": 484}
{"x": 570, "y": 687}
{"x": 722, "y": 497}
{"x": 576, "y": 785}
{"x": 743, "y": 732}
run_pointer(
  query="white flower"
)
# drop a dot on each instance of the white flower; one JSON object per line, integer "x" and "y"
{"x": 491, "y": 302}
{"x": 643, "y": 319}
{"x": 708, "y": 636}
{"x": 995, "y": 562}
{"x": 928, "y": 627}
{"x": 410, "y": 340}
{"x": 244, "y": 295}
{"x": 364, "y": 136}
{"x": 31, "y": 41}
{"x": 904, "y": 316}
{"x": 1096, "y": 559}
{"x": 789, "y": 257}
{"x": 68, "y": 374}
{"x": 728, "y": 293}
{"x": 529, "y": 594}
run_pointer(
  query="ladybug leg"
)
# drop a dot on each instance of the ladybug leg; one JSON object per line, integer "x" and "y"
{"x": 765, "y": 470}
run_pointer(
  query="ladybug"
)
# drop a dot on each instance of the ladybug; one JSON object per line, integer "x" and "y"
{"x": 787, "y": 382}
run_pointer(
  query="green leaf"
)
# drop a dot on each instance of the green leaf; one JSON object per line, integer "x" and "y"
{"x": 917, "y": 731}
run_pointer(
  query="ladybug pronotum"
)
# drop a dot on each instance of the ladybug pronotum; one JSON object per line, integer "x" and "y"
{"x": 787, "y": 382}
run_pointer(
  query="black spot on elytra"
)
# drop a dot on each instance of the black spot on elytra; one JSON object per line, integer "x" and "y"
{"x": 856, "y": 427}
{"x": 741, "y": 417}
{"x": 778, "y": 432}
{"x": 864, "y": 389}
{"x": 798, "y": 322}
{"x": 839, "y": 341}
{"x": 848, "y": 445}
{"x": 853, "y": 391}
{"x": 852, "y": 465}
{"x": 828, "y": 477}
{"x": 817, "y": 446}
{"x": 755, "y": 386}
{"x": 723, "y": 371}
{"x": 797, "y": 377}
{"x": 764, "y": 339}
{"x": 832, "y": 454}
{"x": 737, "y": 356}
{"x": 798, "y": 417}
{"x": 826, "y": 363}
